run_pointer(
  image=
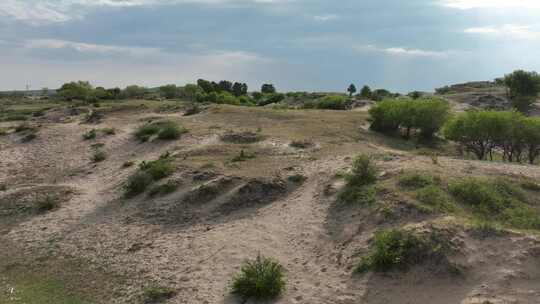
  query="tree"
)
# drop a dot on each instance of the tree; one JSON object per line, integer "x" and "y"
{"x": 365, "y": 92}
{"x": 101, "y": 93}
{"x": 523, "y": 88}
{"x": 225, "y": 86}
{"x": 134, "y": 91}
{"x": 244, "y": 89}
{"x": 268, "y": 88}
{"x": 351, "y": 90}
{"x": 114, "y": 93}
{"x": 76, "y": 90}
{"x": 169, "y": 91}
{"x": 237, "y": 89}
{"x": 190, "y": 91}
{"x": 205, "y": 85}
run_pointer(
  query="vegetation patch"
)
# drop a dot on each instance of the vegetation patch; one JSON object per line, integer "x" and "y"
{"x": 98, "y": 156}
{"x": 416, "y": 180}
{"x": 399, "y": 249}
{"x": 358, "y": 187}
{"x": 301, "y": 144}
{"x": 485, "y": 229}
{"x": 242, "y": 137}
{"x": 243, "y": 156}
{"x": 164, "y": 189}
{"x": 157, "y": 294}
{"x": 435, "y": 198}
{"x": 137, "y": 183}
{"x": 148, "y": 173}
{"x": 260, "y": 279}
{"x": 496, "y": 199}
{"x": 165, "y": 130}
{"x": 90, "y": 134}
{"x": 296, "y": 178}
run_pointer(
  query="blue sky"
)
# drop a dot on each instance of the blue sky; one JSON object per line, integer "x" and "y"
{"x": 313, "y": 45}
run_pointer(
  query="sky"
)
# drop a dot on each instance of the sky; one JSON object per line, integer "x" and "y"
{"x": 298, "y": 45}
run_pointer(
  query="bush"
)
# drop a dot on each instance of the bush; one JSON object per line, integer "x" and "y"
{"x": 398, "y": 249}
{"x": 90, "y": 134}
{"x": 163, "y": 189}
{"x": 416, "y": 180}
{"x": 363, "y": 172}
{"x": 332, "y": 102}
{"x": 99, "y": 156}
{"x": 424, "y": 115}
{"x": 158, "y": 169}
{"x": 361, "y": 195}
{"x": 484, "y": 229}
{"x": 167, "y": 130}
{"x": 436, "y": 198}
{"x": 157, "y": 294}
{"x": 47, "y": 204}
{"x": 479, "y": 194}
{"x": 259, "y": 279}
{"x": 137, "y": 183}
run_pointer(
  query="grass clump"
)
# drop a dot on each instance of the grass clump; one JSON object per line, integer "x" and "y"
{"x": 301, "y": 144}
{"x": 485, "y": 229}
{"x": 137, "y": 183}
{"x": 358, "y": 188}
{"x": 496, "y": 199}
{"x": 163, "y": 189}
{"x": 165, "y": 130}
{"x": 99, "y": 156}
{"x": 416, "y": 180}
{"x": 90, "y": 135}
{"x": 157, "y": 294}
{"x": 158, "y": 169}
{"x": 108, "y": 131}
{"x": 435, "y": 198}
{"x": 530, "y": 185}
{"x": 243, "y": 156}
{"x": 399, "y": 249}
{"x": 47, "y": 204}
{"x": 259, "y": 279}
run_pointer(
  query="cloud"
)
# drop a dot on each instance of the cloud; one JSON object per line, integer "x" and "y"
{"x": 506, "y": 31}
{"x": 472, "y": 4}
{"x": 54, "y": 44}
{"x": 38, "y": 12}
{"x": 401, "y": 51}
{"x": 325, "y": 18}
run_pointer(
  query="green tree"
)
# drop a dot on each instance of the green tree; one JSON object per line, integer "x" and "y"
{"x": 365, "y": 92}
{"x": 134, "y": 91}
{"x": 76, "y": 90}
{"x": 351, "y": 90}
{"x": 169, "y": 91}
{"x": 268, "y": 88}
{"x": 205, "y": 85}
{"x": 237, "y": 89}
{"x": 523, "y": 88}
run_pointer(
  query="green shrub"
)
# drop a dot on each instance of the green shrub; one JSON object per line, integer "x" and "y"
{"x": 99, "y": 156}
{"x": 479, "y": 194}
{"x": 158, "y": 169}
{"x": 436, "y": 198}
{"x": 164, "y": 189}
{"x": 166, "y": 130}
{"x": 362, "y": 195}
{"x": 485, "y": 229}
{"x": 47, "y": 204}
{"x": 332, "y": 102}
{"x": 259, "y": 279}
{"x": 137, "y": 183}
{"x": 144, "y": 133}
{"x": 157, "y": 294}
{"x": 90, "y": 134}
{"x": 416, "y": 180}
{"x": 170, "y": 131}
{"x": 399, "y": 249}
{"x": 363, "y": 171}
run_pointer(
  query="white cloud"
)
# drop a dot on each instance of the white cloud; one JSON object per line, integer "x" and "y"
{"x": 37, "y": 12}
{"x": 54, "y": 44}
{"x": 401, "y": 51}
{"x": 506, "y": 31}
{"x": 325, "y": 18}
{"x": 472, "y": 4}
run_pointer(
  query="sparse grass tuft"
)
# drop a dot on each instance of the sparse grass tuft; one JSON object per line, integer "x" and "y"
{"x": 99, "y": 156}
{"x": 242, "y": 137}
{"x": 163, "y": 189}
{"x": 362, "y": 195}
{"x": 47, "y": 204}
{"x": 137, "y": 183}
{"x": 485, "y": 229}
{"x": 158, "y": 169}
{"x": 436, "y": 198}
{"x": 259, "y": 279}
{"x": 243, "y": 156}
{"x": 399, "y": 249}
{"x": 416, "y": 180}
{"x": 157, "y": 294}
{"x": 301, "y": 144}
{"x": 90, "y": 135}
{"x": 166, "y": 130}
{"x": 363, "y": 172}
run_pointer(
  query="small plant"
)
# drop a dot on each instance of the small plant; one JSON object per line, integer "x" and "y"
{"x": 363, "y": 172}
{"x": 170, "y": 131}
{"x": 128, "y": 164}
{"x": 399, "y": 249}
{"x": 362, "y": 195}
{"x": 166, "y": 130}
{"x": 164, "y": 189}
{"x": 158, "y": 169}
{"x": 157, "y": 294}
{"x": 90, "y": 135}
{"x": 108, "y": 131}
{"x": 144, "y": 133}
{"x": 137, "y": 183}
{"x": 243, "y": 156}
{"x": 416, "y": 180}
{"x": 47, "y": 204}
{"x": 436, "y": 198}
{"x": 99, "y": 156}
{"x": 259, "y": 279}
{"x": 296, "y": 178}
{"x": 301, "y": 144}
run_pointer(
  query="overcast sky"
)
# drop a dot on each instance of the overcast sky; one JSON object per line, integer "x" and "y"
{"x": 313, "y": 45}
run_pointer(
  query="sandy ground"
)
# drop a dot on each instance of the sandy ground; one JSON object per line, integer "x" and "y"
{"x": 316, "y": 241}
